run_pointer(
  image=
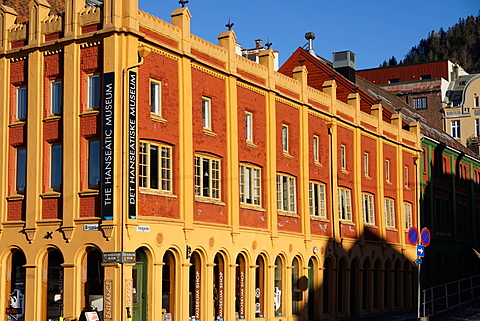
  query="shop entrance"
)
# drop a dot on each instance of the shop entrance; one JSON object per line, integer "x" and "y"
{"x": 139, "y": 276}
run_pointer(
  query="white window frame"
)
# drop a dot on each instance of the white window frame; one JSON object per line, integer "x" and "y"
{"x": 285, "y": 138}
{"x": 420, "y": 103}
{"x": 286, "y": 193}
{"x": 249, "y": 126}
{"x": 56, "y": 97}
{"x": 163, "y": 182}
{"x": 389, "y": 212}
{"x": 317, "y": 200}
{"x": 207, "y": 113}
{"x": 344, "y": 206}
{"x": 93, "y": 91}
{"x": 387, "y": 170}
{"x": 343, "y": 155}
{"x": 366, "y": 164}
{"x": 21, "y": 102}
{"x": 455, "y": 128}
{"x": 207, "y": 180}
{"x": 316, "y": 154}
{"x": 155, "y": 97}
{"x": 407, "y": 213}
{"x": 250, "y": 185}
{"x": 368, "y": 208}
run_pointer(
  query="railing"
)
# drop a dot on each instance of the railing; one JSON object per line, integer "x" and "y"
{"x": 441, "y": 298}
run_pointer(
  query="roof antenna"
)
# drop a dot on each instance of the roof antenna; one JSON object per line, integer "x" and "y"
{"x": 268, "y": 44}
{"x": 183, "y": 2}
{"x": 229, "y": 25}
{"x": 310, "y": 36}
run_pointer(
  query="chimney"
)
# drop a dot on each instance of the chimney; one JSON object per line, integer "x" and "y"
{"x": 310, "y": 36}
{"x": 258, "y": 43}
{"x": 344, "y": 64}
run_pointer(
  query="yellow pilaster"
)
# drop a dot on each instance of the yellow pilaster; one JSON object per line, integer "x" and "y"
{"x": 71, "y": 296}
{"x": 33, "y": 288}
{"x": 182, "y": 307}
{"x": 267, "y": 59}
{"x": 112, "y": 292}
{"x": 400, "y": 188}
{"x": 377, "y": 112}
{"x": 4, "y": 119}
{"x": 39, "y": 10}
{"x": 181, "y": 19}
{"x": 72, "y": 8}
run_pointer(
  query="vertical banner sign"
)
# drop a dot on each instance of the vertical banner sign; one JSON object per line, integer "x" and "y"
{"x": 107, "y": 146}
{"x": 108, "y": 300}
{"x": 132, "y": 144}
{"x": 197, "y": 291}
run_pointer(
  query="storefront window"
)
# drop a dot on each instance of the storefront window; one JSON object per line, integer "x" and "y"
{"x": 93, "y": 280}
{"x": 259, "y": 287}
{"x": 278, "y": 288}
{"x": 219, "y": 287}
{"x": 168, "y": 285}
{"x": 16, "y": 287}
{"x": 53, "y": 281}
{"x": 195, "y": 286}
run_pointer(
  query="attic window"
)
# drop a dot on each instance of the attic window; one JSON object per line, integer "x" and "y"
{"x": 394, "y": 80}
{"x": 424, "y": 77}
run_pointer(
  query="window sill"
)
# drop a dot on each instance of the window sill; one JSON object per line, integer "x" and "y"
{"x": 90, "y": 112}
{"x": 407, "y": 188}
{"x": 156, "y": 192}
{"x": 391, "y": 229}
{"x": 319, "y": 219}
{"x": 344, "y": 171}
{"x": 347, "y": 222}
{"x": 157, "y": 118}
{"x": 252, "y": 207}
{"x": 317, "y": 163}
{"x": 50, "y": 194}
{"x": 367, "y": 177}
{"x": 287, "y": 155}
{"x": 289, "y": 214}
{"x": 208, "y": 200}
{"x": 89, "y": 192}
{"x": 51, "y": 118}
{"x": 388, "y": 183}
{"x": 370, "y": 225}
{"x": 251, "y": 144}
{"x": 208, "y": 132}
{"x": 17, "y": 123}
{"x": 15, "y": 197}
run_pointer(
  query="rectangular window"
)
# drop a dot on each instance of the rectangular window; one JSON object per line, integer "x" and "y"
{"x": 393, "y": 80}
{"x": 405, "y": 176}
{"x": 93, "y": 163}
{"x": 366, "y": 164}
{"x": 344, "y": 204}
{"x": 476, "y": 101}
{"x": 155, "y": 97}
{"x": 389, "y": 212}
{"x": 93, "y": 91}
{"x": 407, "y": 212}
{"x": 343, "y": 162}
{"x": 56, "y": 97}
{"x": 155, "y": 167}
{"x": 21, "y": 170}
{"x": 477, "y": 127}
{"x": 56, "y": 166}
{"x": 316, "y": 156}
{"x": 387, "y": 170}
{"x": 207, "y": 177}
{"x": 425, "y": 77}
{"x": 420, "y": 103}
{"x": 250, "y": 185}
{"x": 368, "y": 209}
{"x": 249, "y": 126}
{"x": 286, "y": 196}
{"x": 317, "y": 202}
{"x": 207, "y": 113}
{"x": 455, "y": 128}
{"x": 21, "y": 93}
{"x": 285, "y": 138}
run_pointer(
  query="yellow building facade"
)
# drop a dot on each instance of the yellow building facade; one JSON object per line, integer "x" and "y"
{"x": 149, "y": 173}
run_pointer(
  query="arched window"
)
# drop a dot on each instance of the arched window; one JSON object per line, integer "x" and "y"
{"x": 240, "y": 279}
{"x": 168, "y": 284}
{"x": 16, "y": 285}
{"x": 296, "y": 293}
{"x": 278, "y": 288}
{"x": 219, "y": 287}
{"x": 53, "y": 285}
{"x": 195, "y": 286}
{"x": 260, "y": 287}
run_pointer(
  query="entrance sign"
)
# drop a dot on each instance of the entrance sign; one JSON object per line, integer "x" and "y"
{"x": 413, "y": 235}
{"x": 420, "y": 250}
{"x": 425, "y": 236}
{"x": 119, "y": 257}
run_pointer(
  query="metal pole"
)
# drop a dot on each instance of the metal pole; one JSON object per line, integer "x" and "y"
{"x": 419, "y": 291}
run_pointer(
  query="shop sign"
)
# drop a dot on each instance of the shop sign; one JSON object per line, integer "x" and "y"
{"x": 220, "y": 295}
{"x": 108, "y": 300}
{"x": 107, "y": 146}
{"x": 132, "y": 144}
{"x": 129, "y": 293}
{"x": 241, "y": 295}
{"x": 119, "y": 257}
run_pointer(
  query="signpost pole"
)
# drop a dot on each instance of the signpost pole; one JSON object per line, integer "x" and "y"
{"x": 419, "y": 302}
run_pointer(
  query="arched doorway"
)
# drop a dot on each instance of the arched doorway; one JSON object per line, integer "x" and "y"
{"x": 327, "y": 285}
{"x": 139, "y": 286}
{"x": 168, "y": 284}
{"x": 240, "y": 291}
{"x": 195, "y": 285}
{"x": 92, "y": 279}
{"x": 16, "y": 286}
{"x": 53, "y": 285}
{"x": 354, "y": 288}
{"x": 312, "y": 290}
{"x": 278, "y": 288}
{"x": 296, "y": 293}
{"x": 260, "y": 287}
{"x": 219, "y": 287}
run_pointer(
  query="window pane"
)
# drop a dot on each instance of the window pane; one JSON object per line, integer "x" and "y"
{"x": 93, "y": 91}
{"x": 206, "y": 177}
{"x": 93, "y": 162}
{"x": 21, "y": 103}
{"x": 153, "y": 164}
{"x": 155, "y": 97}
{"x": 248, "y": 125}
{"x": 21, "y": 168}
{"x": 56, "y": 166}
{"x": 56, "y": 97}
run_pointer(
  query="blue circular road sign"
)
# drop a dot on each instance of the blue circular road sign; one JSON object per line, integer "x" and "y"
{"x": 425, "y": 236}
{"x": 413, "y": 236}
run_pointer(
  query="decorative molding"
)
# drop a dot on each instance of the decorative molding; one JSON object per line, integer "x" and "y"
{"x": 107, "y": 230}
{"x": 208, "y": 71}
{"x": 90, "y": 44}
{"x": 30, "y": 233}
{"x": 287, "y": 102}
{"x": 67, "y": 232}
{"x": 159, "y": 51}
{"x": 251, "y": 88}
{"x": 52, "y": 52}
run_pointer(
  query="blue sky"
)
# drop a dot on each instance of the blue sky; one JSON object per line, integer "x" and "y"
{"x": 374, "y": 30}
